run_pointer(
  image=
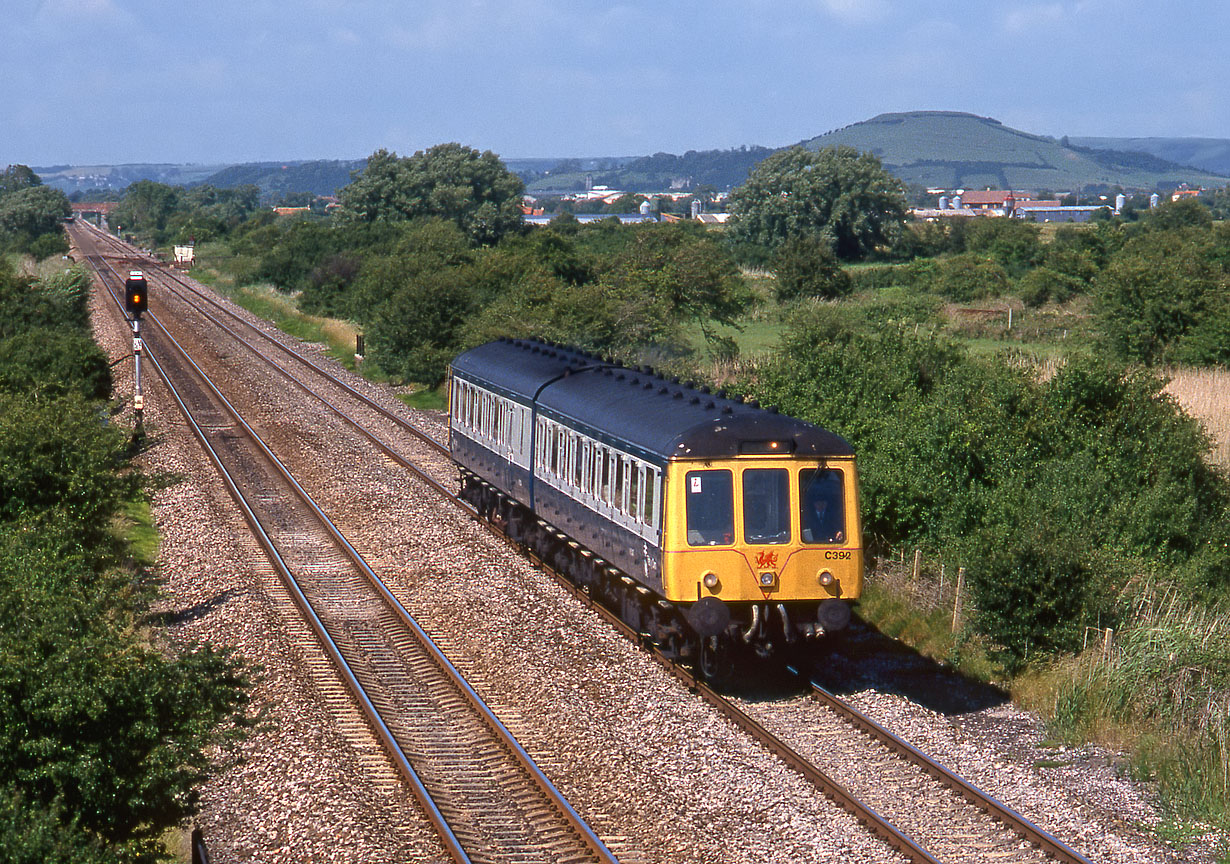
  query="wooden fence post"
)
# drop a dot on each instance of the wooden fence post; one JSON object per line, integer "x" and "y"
{"x": 956, "y": 605}
{"x": 917, "y": 565}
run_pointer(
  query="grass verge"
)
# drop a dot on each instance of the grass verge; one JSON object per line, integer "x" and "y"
{"x": 1158, "y": 692}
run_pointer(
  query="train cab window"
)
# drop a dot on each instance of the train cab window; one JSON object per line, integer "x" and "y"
{"x": 822, "y": 502}
{"x": 710, "y": 507}
{"x": 766, "y": 505}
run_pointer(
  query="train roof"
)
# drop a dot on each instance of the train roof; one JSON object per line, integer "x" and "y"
{"x": 659, "y": 417}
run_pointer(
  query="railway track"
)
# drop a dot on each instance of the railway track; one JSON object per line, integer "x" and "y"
{"x": 482, "y": 791}
{"x": 961, "y": 823}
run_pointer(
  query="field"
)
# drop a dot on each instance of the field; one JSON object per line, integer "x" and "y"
{"x": 1205, "y": 394}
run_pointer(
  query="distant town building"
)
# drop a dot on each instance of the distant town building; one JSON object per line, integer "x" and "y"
{"x": 1056, "y": 213}
{"x": 995, "y": 199}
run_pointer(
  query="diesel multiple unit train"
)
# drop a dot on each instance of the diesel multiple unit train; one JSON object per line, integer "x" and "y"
{"x": 706, "y": 523}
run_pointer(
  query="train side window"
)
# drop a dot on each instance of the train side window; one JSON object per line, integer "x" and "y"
{"x": 607, "y": 456}
{"x": 766, "y": 505}
{"x": 822, "y": 502}
{"x": 587, "y": 467}
{"x": 634, "y": 491}
{"x": 595, "y": 472}
{"x": 617, "y": 465}
{"x": 577, "y": 450}
{"x": 710, "y": 504}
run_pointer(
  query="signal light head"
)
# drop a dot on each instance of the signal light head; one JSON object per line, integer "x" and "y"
{"x": 136, "y": 294}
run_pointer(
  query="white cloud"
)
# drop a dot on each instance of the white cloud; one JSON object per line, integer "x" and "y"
{"x": 73, "y": 9}
{"x": 856, "y": 11}
{"x": 1030, "y": 19}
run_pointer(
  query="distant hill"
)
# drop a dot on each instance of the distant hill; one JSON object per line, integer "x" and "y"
{"x": 954, "y": 150}
{"x": 721, "y": 169}
{"x": 941, "y": 149}
{"x": 283, "y": 178}
{"x": 73, "y": 178}
{"x": 1208, "y": 154}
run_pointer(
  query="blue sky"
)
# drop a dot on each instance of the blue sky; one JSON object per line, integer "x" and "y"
{"x": 108, "y": 81}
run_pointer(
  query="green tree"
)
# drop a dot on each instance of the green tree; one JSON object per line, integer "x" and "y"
{"x": 17, "y": 177}
{"x": 1159, "y": 290}
{"x": 449, "y": 181}
{"x": 683, "y": 268}
{"x": 839, "y": 195}
{"x": 146, "y": 208}
{"x": 33, "y": 211}
{"x": 416, "y": 330}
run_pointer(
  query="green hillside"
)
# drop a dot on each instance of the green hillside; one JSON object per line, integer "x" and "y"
{"x": 1208, "y": 154}
{"x": 283, "y": 178}
{"x": 953, "y": 150}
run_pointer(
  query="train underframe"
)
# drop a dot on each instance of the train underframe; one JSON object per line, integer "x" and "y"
{"x": 711, "y": 638}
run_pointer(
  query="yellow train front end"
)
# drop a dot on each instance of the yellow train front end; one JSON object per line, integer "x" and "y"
{"x": 763, "y": 545}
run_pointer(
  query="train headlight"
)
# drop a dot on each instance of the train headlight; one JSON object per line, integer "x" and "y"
{"x": 826, "y": 578}
{"x": 711, "y": 580}
{"x": 766, "y": 579}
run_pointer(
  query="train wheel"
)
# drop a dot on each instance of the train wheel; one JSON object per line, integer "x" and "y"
{"x": 716, "y": 663}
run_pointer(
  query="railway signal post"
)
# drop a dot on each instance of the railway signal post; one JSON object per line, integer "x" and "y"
{"x": 136, "y": 301}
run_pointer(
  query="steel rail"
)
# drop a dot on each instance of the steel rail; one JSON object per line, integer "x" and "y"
{"x": 1044, "y": 840}
{"x": 164, "y": 273}
{"x": 588, "y": 836}
{"x": 835, "y": 791}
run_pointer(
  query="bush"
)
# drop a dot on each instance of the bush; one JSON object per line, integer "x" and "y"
{"x": 1042, "y": 285}
{"x": 1050, "y": 490}
{"x": 1030, "y": 587}
{"x": 965, "y": 277}
{"x": 874, "y": 277}
{"x": 1012, "y": 243}
{"x": 55, "y": 453}
{"x": 54, "y": 363}
{"x": 61, "y": 302}
{"x": 806, "y": 267}
{"x": 33, "y": 834}
{"x": 92, "y": 719}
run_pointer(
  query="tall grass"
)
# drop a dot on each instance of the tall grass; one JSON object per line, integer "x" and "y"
{"x": 1204, "y": 393}
{"x": 1163, "y": 696}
